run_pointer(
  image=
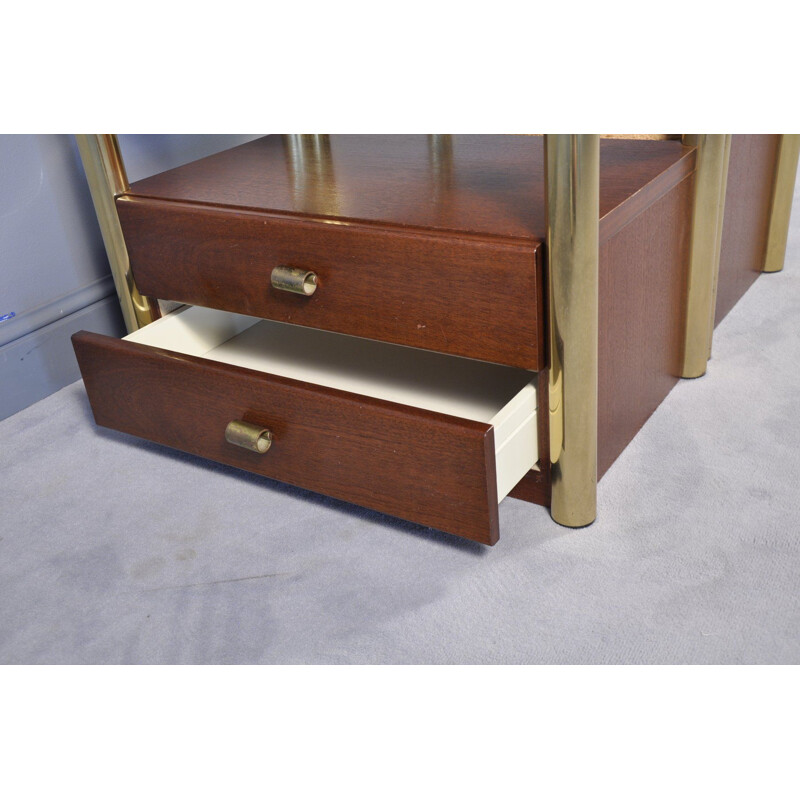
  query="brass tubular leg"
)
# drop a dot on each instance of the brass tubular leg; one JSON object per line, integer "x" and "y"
{"x": 782, "y": 194}
{"x": 709, "y": 204}
{"x": 723, "y": 189}
{"x": 572, "y": 178}
{"x": 105, "y": 172}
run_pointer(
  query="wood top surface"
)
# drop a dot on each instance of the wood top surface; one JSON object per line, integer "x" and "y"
{"x": 487, "y": 185}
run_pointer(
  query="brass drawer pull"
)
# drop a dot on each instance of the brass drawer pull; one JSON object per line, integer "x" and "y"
{"x": 251, "y": 437}
{"x": 297, "y": 281}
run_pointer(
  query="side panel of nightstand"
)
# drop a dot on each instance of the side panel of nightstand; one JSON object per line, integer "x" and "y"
{"x": 643, "y": 272}
{"x": 751, "y": 173}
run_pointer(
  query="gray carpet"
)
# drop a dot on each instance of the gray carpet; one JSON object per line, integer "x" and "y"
{"x": 116, "y": 550}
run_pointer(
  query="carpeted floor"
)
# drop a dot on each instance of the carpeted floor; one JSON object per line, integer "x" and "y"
{"x": 116, "y": 550}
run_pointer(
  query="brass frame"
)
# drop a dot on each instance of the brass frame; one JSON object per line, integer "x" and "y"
{"x": 105, "y": 172}
{"x": 710, "y": 182}
{"x": 723, "y": 191}
{"x": 572, "y": 181}
{"x": 781, "y": 208}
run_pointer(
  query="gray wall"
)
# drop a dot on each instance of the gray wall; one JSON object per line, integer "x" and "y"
{"x": 54, "y": 275}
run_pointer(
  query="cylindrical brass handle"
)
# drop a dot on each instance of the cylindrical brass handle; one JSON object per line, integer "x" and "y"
{"x": 251, "y": 437}
{"x": 297, "y": 281}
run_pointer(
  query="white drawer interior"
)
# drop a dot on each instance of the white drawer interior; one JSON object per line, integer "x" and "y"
{"x": 504, "y": 397}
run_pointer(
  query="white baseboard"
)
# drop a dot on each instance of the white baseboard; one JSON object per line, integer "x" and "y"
{"x": 41, "y": 362}
{"x": 21, "y": 324}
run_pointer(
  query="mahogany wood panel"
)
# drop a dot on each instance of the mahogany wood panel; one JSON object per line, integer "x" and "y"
{"x": 643, "y": 279}
{"x": 491, "y": 185}
{"x": 425, "y": 467}
{"x": 751, "y": 173}
{"x": 464, "y": 295}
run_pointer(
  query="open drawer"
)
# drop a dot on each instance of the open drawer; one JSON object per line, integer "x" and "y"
{"x": 434, "y": 439}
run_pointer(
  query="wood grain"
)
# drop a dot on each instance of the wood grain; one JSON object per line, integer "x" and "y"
{"x": 643, "y": 274}
{"x": 466, "y": 295}
{"x": 751, "y": 173}
{"x": 428, "y": 468}
{"x": 643, "y": 284}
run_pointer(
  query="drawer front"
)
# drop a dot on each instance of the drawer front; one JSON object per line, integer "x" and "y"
{"x": 428, "y": 468}
{"x": 467, "y": 295}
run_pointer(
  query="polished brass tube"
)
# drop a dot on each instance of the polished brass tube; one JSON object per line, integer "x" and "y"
{"x": 296, "y": 281}
{"x": 249, "y": 436}
{"x": 572, "y": 178}
{"x": 105, "y": 172}
{"x": 782, "y": 195}
{"x": 723, "y": 190}
{"x": 704, "y": 249}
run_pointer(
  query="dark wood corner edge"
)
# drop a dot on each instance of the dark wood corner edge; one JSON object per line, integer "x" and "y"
{"x": 493, "y": 533}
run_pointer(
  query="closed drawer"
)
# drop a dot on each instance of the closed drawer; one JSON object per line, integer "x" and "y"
{"x": 472, "y": 296}
{"x": 433, "y": 439}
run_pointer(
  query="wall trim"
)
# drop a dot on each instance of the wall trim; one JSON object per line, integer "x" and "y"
{"x": 29, "y": 321}
{"x": 43, "y": 361}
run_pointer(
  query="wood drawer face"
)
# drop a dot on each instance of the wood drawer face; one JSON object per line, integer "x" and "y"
{"x": 427, "y": 467}
{"x": 471, "y": 296}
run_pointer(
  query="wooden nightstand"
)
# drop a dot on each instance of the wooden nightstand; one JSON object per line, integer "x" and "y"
{"x": 368, "y": 316}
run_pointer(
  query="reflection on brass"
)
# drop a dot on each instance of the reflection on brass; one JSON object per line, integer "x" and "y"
{"x": 251, "y": 437}
{"x": 710, "y": 182}
{"x": 105, "y": 173}
{"x": 782, "y": 194}
{"x": 572, "y": 177}
{"x": 440, "y": 150}
{"x": 297, "y": 281}
{"x": 659, "y": 137}
{"x": 310, "y": 165}
{"x": 655, "y": 137}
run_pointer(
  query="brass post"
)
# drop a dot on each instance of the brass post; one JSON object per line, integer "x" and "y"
{"x": 572, "y": 180}
{"x": 723, "y": 189}
{"x": 710, "y": 179}
{"x": 105, "y": 173}
{"x": 782, "y": 194}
